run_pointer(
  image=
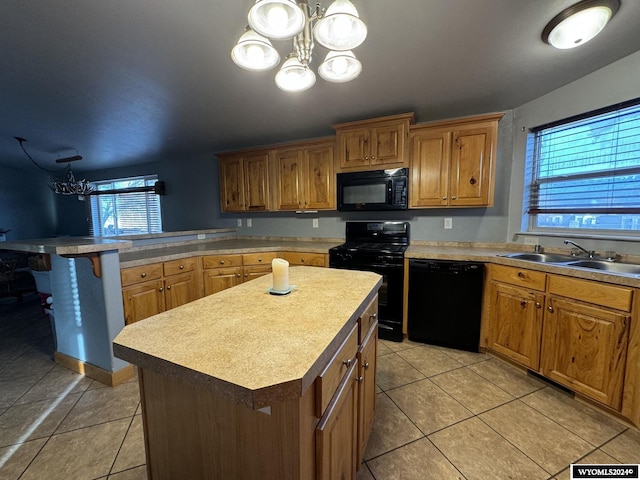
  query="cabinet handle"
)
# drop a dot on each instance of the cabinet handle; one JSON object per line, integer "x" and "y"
{"x": 246, "y": 275}
{"x": 181, "y": 267}
{"x": 373, "y": 316}
{"x": 366, "y": 365}
{"x": 238, "y": 275}
{"x": 221, "y": 262}
{"x": 538, "y": 305}
{"x": 550, "y": 308}
{"x": 348, "y": 362}
{"x": 373, "y": 157}
{"x": 522, "y": 275}
{"x": 143, "y": 275}
{"x": 453, "y": 197}
{"x": 302, "y": 260}
{"x": 444, "y": 197}
{"x": 259, "y": 260}
{"x": 366, "y": 157}
{"x": 169, "y": 287}
{"x": 161, "y": 289}
{"x": 360, "y": 379}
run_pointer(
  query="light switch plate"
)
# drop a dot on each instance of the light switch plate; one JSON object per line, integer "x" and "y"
{"x": 448, "y": 223}
{"x": 315, "y": 223}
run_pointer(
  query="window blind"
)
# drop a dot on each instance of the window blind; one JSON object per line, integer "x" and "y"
{"x": 127, "y": 213}
{"x": 590, "y": 165}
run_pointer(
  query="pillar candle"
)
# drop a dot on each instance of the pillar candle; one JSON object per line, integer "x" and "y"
{"x": 280, "y": 269}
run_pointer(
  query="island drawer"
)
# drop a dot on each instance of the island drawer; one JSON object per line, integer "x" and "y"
{"x": 180, "y": 266}
{"x": 302, "y": 258}
{"x": 261, "y": 258}
{"x": 519, "y": 276}
{"x": 597, "y": 293}
{"x": 328, "y": 381}
{"x": 144, "y": 273}
{"x": 217, "y": 261}
{"x": 367, "y": 319}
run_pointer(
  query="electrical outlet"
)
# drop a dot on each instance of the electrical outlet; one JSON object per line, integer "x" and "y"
{"x": 201, "y": 236}
{"x": 239, "y": 222}
{"x": 315, "y": 223}
{"x": 448, "y": 223}
{"x": 249, "y": 223}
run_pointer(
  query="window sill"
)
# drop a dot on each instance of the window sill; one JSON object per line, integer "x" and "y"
{"x": 578, "y": 234}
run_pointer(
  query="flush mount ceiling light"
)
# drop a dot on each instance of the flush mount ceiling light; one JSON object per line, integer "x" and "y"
{"x": 70, "y": 186}
{"x": 579, "y": 23}
{"x": 339, "y": 29}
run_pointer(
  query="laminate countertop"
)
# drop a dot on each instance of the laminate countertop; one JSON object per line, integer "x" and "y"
{"x": 251, "y": 346}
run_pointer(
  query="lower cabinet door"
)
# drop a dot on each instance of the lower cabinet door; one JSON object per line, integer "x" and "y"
{"x": 180, "y": 289}
{"x": 142, "y": 301}
{"x": 584, "y": 348}
{"x": 218, "y": 279}
{"x": 336, "y": 434}
{"x": 366, "y": 389}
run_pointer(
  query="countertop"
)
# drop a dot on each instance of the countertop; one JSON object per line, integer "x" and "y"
{"x": 144, "y": 256}
{"x": 67, "y": 245}
{"x": 251, "y": 346}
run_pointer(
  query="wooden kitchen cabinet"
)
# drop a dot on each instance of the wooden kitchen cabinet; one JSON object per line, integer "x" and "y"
{"x": 373, "y": 144}
{"x": 573, "y": 331}
{"x": 517, "y": 306}
{"x": 151, "y": 289}
{"x": 366, "y": 357}
{"x": 306, "y": 258}
{"x": 305, "y": 177}
{"x": 244, "y": 181}
{"x": 453, "y": 162}
{"x": 225, "y": 271}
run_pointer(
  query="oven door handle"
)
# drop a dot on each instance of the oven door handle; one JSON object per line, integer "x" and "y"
{"x": 390, "y": 192}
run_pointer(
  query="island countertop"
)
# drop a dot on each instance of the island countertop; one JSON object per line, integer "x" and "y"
{"x": 249, "y": 345}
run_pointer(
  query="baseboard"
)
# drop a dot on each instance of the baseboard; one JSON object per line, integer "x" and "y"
{"x": 111, "y": 379}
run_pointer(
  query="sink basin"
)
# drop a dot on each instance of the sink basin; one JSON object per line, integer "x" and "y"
{"x": 542, "y": 257}
{"x": 628, "y": 268}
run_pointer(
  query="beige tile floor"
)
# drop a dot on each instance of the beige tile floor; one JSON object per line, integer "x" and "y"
{"x": 441, "y": 414}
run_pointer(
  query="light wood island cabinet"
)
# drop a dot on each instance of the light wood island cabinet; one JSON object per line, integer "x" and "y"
{"x": 453, "y": 162}
{"x": 573, "y": 331}
{"x": 292, "y": 409}
{"x": 373, "y": 144}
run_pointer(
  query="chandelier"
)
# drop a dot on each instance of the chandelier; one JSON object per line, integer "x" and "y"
{"x": 339, "y": 29}
{"x": 70, "y": 186}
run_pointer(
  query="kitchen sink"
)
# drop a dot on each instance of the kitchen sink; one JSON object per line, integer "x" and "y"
{"x": 542, "y": 257}
{"x": 628, "y": 268}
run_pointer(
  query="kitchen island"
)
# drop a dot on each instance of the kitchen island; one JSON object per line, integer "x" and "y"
{"x": 244, "y": 384}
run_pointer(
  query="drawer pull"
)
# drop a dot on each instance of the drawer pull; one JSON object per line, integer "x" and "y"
{"x": 238, "y": 275}
{"x": 246, "y": 275}
{"x": 373, "y": 316}
{"x": 347, "y": 362}
{"x": 221, "y": 262}
{"x": 366, "y": 365}
{"x": 522, "y": 275}
{"x": 360, "y": 379}
{"x": 259, "y": 260}
{"x": 181, "y": 267}
{"x": 143, "y": 275}
{"x": 302, "y": 260}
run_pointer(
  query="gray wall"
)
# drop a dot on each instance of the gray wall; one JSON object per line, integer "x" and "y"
{"x": 26, "y": 204}
{"x": 615, "y": 83}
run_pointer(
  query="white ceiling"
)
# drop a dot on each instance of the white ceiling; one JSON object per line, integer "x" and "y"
{"x": 129, "y": 81}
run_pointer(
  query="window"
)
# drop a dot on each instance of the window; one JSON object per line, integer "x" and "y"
{"x": 584, "y": 172}
{"x": 125, "y": 213}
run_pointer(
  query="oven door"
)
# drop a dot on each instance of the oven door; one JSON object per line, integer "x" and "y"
{"x": 390, "y": 296}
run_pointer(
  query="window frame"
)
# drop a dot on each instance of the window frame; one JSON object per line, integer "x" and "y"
{"x": 94, "y": 201}
{"x": 531, "y": 175}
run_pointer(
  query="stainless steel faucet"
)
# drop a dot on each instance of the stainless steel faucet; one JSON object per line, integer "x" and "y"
{"x": 590, "y": 253}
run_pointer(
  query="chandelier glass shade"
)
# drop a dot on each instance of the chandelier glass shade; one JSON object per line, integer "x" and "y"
{"x": 579, "y": 23}
{"x": 338, "y": 29}
{"x": 255, "y": 52}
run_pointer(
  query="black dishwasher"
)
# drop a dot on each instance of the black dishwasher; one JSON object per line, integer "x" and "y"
{"x": 445, "y": 303}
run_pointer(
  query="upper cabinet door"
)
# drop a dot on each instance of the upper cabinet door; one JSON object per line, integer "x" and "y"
{"x": 387, "y": 146}
{"x": 289, "y": 189}
{"x": 232, "y": 184}
{"x": 472, "y": 166}
{"x": 256, "y": 172}
{"x": 354, "y": 148}
{"x": 318, "y": 178}
{"x": 430, "y": 154}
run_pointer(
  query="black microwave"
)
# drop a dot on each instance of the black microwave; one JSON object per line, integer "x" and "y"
{"x": 373, "y": 190}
